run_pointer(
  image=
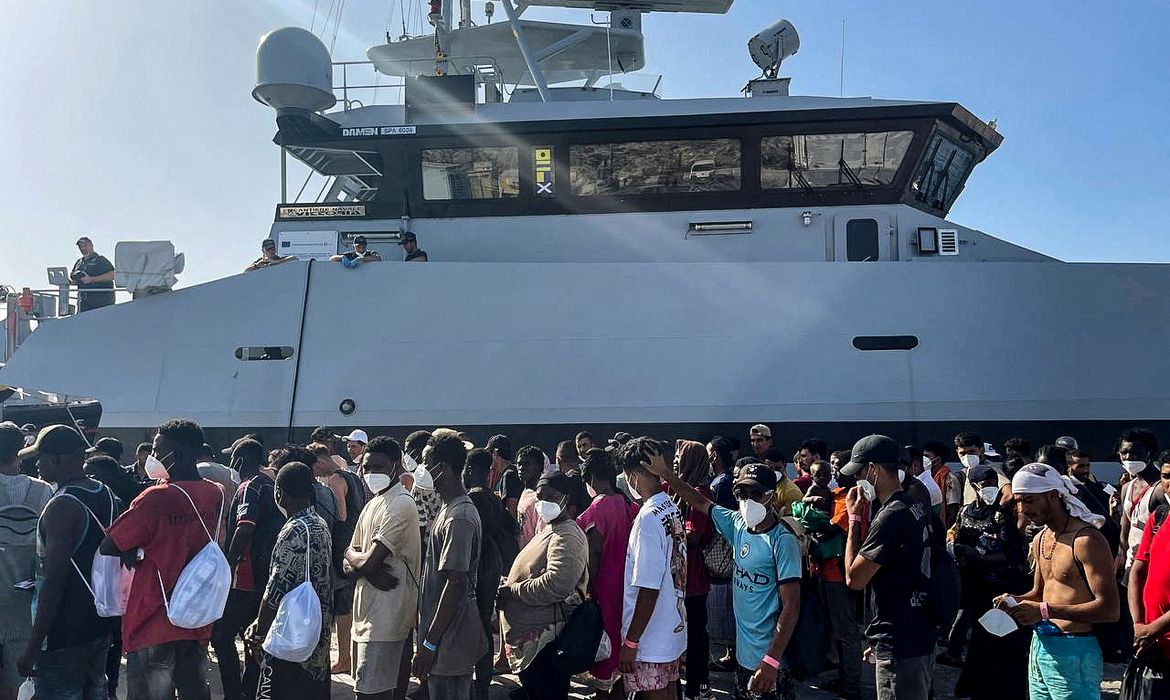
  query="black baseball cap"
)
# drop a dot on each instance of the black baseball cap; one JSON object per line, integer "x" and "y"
{"x": 108, "y": 446}
{"x": 877, "y": 449}
{"x": 359, "y": 240}
{"x": 756, "y": 475}
{"x": 407, "y": 236}
{"x": 268, "y": 243}
{"x": 56, "y": 440}
{"x": 501, "y": 444}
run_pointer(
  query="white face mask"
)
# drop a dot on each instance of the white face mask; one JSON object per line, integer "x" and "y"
{"x": 378, "y": 482}
{"x": 154, "y": 468}
{"x": 753, "y": 512}
{"x": 548, "y": 511}
{"x": 867, "y": 489}
{"x": 998, "y": 622}
{"x": 989, "y": 494}
{"x": 423, "y": 479}
{"x": 1133, "y": 467}
{"x": 969, "y": 461}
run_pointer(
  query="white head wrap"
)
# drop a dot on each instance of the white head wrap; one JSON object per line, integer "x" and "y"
{"x": 1041, "y": 478}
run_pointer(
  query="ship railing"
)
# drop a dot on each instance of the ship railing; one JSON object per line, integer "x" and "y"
{"x": 353, "y": 88}
{"x": 21, "y": 311}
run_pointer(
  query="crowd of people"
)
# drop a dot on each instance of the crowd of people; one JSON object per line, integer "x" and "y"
{"x": 437, "y": 560}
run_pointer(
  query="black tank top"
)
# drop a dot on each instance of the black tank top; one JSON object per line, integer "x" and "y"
{"x": 77, "y": 621}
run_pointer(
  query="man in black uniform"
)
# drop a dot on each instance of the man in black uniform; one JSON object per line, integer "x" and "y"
{"x": 94, "y": 276}
{"x": 409, "y": 244}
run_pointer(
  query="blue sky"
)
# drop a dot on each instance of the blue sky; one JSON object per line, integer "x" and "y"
{"x": 134, "y": 121}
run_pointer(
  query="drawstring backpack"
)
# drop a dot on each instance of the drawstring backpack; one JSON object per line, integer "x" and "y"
{"x": 296, "y": 630}
{"x": 111, "y": 581}
{"x": 201, "y": 592}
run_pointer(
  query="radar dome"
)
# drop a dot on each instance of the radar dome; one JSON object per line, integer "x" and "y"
{"x": 770, "y": 47}
{"x": 293, "y": 71}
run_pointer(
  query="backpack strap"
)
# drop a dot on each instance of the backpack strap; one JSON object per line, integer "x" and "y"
{"x": 85, "y": 582}
{"x": 219, "y": 517}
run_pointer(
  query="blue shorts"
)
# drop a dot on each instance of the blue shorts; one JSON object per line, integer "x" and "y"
{"x": 1063, "y": 667}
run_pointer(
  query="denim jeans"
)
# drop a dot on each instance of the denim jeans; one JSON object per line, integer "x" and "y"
{"x": 904, "y": 679}
{"x": 155, "y": 673}
{"x": 74, "y": 673}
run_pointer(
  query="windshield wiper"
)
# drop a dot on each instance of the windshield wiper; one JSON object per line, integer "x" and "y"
{"x": 850, "y": 175}
{"x": 801, "y": 180}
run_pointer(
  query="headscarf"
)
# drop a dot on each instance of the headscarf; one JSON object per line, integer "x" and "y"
{"x": 693, "y": 463}
{"x": 1041, "y": 478}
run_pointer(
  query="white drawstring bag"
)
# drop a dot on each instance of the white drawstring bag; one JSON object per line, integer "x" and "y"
{"x": 111, "y": 581}
{"x": 201, "y": 592}
{"x": 296, "y": 630}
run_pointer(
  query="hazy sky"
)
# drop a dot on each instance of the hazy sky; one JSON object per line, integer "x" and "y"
{"x": 134, "y": 121}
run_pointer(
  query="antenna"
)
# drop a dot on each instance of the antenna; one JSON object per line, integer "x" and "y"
{"x": 841, "y": 81}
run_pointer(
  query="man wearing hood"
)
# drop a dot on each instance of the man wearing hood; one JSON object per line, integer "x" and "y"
{"x": 1073, "y": 587}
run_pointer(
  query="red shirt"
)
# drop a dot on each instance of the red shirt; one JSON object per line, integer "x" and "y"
{"x": 162, "y": 522}
{"x": 834, "y": 569}
{"x": 698, "y": 579}
{"x": 1155, "y": 551}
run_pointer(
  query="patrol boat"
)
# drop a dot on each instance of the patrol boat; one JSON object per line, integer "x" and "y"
{"x": 603, "y": 258}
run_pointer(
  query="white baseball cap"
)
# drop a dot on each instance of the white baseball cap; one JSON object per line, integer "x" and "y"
{"x": 357, "y": 436}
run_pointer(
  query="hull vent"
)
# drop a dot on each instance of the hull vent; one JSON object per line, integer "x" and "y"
{"x": 948, "y": 242}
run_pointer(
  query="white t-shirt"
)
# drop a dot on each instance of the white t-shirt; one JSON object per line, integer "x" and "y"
{"x": 935, "y": 492}
{"x": 657, "y": 558}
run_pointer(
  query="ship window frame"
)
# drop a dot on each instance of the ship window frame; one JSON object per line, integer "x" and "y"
{"x": 688, "y": 176}
{"x": 844, "y": 175}
{"x": 877, "y": 343}
{"x": 922, "y": 197}
{"x": 260, "y": 353}
{"x": 401, "y": 154}
{"x": 512, "y": 150}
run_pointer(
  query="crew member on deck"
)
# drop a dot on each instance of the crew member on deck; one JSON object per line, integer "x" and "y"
{"x": 94, "y": 276}
{"x": 359, "y": 254}
{"x": 409, "y": 244}
{"x": 268, "y": 257}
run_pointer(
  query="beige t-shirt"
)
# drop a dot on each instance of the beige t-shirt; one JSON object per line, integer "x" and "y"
{"x": 388, "y": 616}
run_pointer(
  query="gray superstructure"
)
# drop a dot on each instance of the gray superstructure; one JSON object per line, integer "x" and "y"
{"x": 743, "y": 277}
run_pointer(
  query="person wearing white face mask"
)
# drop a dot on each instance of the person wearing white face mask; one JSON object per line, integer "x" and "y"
{"x": 545, "y": 585}
{"x": 988, "y": 549}
{"x": 767, "y": 575}
{"x": 893, "y": 560}
{"x": 1139, "y": 495}
{"x": 384, "y": 560}
{"x": 972, "y": 452}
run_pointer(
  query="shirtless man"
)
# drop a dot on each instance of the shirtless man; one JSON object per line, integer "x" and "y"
{"x": 1074, "y": 587}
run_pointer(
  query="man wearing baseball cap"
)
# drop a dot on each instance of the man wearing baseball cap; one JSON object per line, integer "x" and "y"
{"x": 360, "y": 254}
{"x": 766, "y": 596}
{"x": 268, "y": 257}
{"x": 67, "y": 647}
{"x": 760, "y": 436}
{"x": 409, "y": 243}
{"x": 355, "y": 445}
{"x": 894, "y": 561}
{"x": 94, "y": 276}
